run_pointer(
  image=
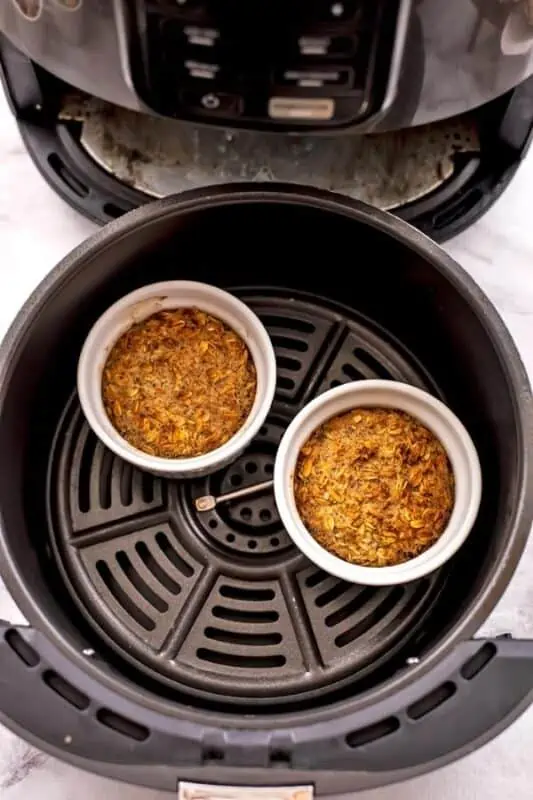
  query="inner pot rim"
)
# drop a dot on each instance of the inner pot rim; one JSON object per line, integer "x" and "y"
{"x": 494, "y": 583}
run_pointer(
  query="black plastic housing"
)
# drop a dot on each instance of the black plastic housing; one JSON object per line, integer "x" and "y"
{"x": 422, "y": 709}
{"x": 72, "y": 718}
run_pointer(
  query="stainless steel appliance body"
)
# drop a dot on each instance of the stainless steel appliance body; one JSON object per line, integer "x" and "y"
{"x": 360, "y": 65}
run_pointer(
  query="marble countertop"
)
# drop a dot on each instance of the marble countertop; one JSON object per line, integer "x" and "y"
{"x": 37, "y": 229}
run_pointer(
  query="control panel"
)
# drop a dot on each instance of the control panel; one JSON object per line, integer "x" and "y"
{"x": 267, "y": 64}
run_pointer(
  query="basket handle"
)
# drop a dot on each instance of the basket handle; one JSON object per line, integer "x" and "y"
{"x": 58, "y": 707}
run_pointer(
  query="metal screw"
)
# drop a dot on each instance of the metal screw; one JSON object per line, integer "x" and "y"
{"x": 88, "y": 652}
{"x": 210, "y": 101}
{"x": 412, "y": 660}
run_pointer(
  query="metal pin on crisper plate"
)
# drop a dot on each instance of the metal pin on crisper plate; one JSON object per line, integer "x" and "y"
{"x": 208, "y": 502}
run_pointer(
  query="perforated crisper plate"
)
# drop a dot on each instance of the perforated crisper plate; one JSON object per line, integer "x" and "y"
{"x": 220, "y": 604}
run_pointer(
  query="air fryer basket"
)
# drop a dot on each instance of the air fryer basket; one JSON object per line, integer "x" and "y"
{"x": 168, "y": 644}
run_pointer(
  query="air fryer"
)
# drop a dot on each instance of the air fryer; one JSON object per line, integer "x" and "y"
{"x": 200, "y": 652}
{"x": 421, "y": 108}
{"x": 168, "y": 646}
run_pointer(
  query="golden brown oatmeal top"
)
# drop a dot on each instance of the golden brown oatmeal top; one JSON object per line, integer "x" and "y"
{"x": 179, "y": 384}
{"x": 374, "y": 486}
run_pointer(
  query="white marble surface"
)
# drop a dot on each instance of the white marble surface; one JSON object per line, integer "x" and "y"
{"x": 37, "y": 229}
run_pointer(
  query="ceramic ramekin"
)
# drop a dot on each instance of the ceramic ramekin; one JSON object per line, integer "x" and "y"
{"x": 139, "y": 305}
{"x": 439, "y": 419}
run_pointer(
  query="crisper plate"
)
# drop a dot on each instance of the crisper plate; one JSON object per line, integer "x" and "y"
{"x": 220, "y": 605}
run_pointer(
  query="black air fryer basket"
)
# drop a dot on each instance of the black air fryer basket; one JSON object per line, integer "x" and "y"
{"x": 167, "y": 645}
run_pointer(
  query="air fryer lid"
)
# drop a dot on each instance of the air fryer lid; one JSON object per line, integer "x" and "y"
{"x": 164, "y": 637}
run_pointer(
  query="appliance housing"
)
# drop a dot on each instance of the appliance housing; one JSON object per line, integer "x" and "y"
{"x": 296, "y": 69}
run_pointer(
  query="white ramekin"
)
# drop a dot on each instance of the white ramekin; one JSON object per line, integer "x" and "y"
{"x": 437, "y": 418}
{"x": 141, "y": 304}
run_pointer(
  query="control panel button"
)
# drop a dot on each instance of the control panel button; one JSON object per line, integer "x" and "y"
{"x": 315, "y": 78}
{"x": 339, "y": 46}
{"x": 200, "y": 37}
{"x": 217, "y": 103}
{"x": 314, "y": 45}
{"x": 301, "y": 108}
{"x": 210, "y": 101}
{"x": 202, "y": 70}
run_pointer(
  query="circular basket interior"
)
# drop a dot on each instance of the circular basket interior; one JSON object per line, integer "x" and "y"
{"x": 218, "y": 610}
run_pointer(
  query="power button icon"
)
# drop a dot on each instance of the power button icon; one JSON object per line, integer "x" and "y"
{"x": 210, "y": 101}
